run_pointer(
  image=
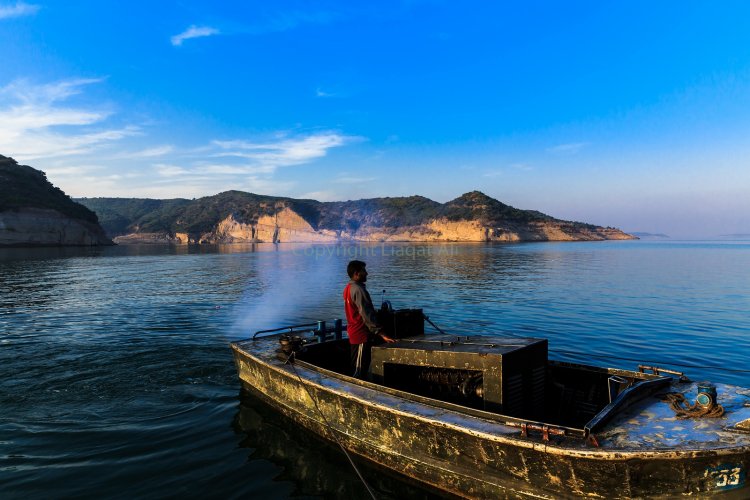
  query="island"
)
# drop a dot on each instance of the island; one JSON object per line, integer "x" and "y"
{"x": 236, "y": 216}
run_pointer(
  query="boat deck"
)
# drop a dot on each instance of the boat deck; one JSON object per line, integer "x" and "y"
{"x": 647, "y": 427}
{"x": 652, "y": 424}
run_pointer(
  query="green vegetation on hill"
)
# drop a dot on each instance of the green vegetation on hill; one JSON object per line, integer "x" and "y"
{"x": 124, "y": 215}
{"x": 478, "y": 206}
{"x": 129, "y": 215}
{"x": 378, "y": 212}
{"x": 24, "y": 187}
{"x": 132, "y": 215}
{"x": 201, "y": 215}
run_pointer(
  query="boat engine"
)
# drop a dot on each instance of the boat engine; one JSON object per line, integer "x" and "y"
{"x": 400, "y": 323}
{"x": 492, "y": 373}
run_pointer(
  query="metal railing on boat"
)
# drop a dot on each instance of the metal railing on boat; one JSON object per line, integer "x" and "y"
{"x": 318, "y": 328}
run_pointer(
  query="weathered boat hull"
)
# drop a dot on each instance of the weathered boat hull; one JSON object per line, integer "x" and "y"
{"x": 476, "y": 458}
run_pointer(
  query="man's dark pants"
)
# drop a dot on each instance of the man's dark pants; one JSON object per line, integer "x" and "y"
{"x": 361, "y": 356}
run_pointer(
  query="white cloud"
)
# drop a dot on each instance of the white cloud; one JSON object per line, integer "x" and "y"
{"x": 321, "y": 93}
{"x": 252, "y": 162}
{"x": 264, "y": 185}
{"x": 494, "y": 173}
{"x": 150, "y": 152}
{"x": 32, "y": 117}
{"x": 237, "y": 169}
{"x": 20, "y": 9}
{"x": 165, "y": 170}
{"x": 69, "y": 170}
{"x": 72, "y": 138}
{"x": 247, "y": 165}
{"x": 193, "y": 32}
{"x": 26, "y": 92}
{"x": 569, "y": 148}
{"x": 320, "y": 196}
{"x": 284, "y": 151}
{"x": 34, "y": 123}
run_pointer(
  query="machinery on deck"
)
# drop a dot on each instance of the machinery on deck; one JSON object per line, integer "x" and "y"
{"x": 492, "y": 373}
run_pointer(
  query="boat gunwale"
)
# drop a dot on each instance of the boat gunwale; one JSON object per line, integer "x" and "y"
{"x": 266, "y": 399}
{"x": 512, "y": 438}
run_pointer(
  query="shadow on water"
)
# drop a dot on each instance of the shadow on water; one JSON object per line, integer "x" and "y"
{"x": 315, "y": 467}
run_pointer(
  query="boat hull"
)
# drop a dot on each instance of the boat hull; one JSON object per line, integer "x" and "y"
{"x": 475, "y": 458}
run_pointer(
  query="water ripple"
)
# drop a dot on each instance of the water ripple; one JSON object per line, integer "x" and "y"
{"x": 116, "y": 379}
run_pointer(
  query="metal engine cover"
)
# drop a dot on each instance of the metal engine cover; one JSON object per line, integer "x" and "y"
{"x": 507, "y": 375}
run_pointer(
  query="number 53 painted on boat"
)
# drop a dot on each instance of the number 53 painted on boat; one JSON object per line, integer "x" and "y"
{"x": 727, "y": 476}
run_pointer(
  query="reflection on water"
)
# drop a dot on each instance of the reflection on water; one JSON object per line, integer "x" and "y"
{"x": 116, "y": 378}
{"x": 314, "y": 466}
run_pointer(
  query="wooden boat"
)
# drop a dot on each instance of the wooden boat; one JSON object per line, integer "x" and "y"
{"x": 316, "y": 470}
{"x": 488, "y": 416}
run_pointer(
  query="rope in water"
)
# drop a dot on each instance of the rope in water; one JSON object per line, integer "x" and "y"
{"x": 330, "y": 429}
{"x": 683, "y": 409}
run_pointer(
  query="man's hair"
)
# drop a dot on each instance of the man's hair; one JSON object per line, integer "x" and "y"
{"x": 355, "y": 266}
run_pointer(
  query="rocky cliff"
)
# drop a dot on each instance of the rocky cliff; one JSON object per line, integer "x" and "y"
{"x": 244, "y": 217}
{"x": 44, "y": 227}
{"x": 35, "y": 213}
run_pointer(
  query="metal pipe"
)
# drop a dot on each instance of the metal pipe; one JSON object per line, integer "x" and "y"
{"x": 656, "y": 370}
{"x": 291, "y": 329}
{"x": 337, "y": 329}
{"x": 459, "y": 342}
{"x": 320, "y": 332}
{"x": 614, "y": 384}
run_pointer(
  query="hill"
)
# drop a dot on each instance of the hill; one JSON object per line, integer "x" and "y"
{"x": 23, "y": 187}
{"x": 33, "y": 212}
{"x": 236, "y": 216}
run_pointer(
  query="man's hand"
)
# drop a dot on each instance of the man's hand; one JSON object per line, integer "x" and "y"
{"x": 387, "y": 338}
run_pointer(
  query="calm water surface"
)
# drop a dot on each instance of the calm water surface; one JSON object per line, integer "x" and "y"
{"x": 116, "y": 379}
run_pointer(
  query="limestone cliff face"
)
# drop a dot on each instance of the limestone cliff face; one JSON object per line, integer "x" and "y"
{"x": 46, "y": 227}
{"x": 286, "y": 226}
{"x": 290, "y": 227}
{"x": 464, "y": 230}
{"x": 470, "y": 230}
{"x": 553, "y": 231}
{"x": 149, "y": 238}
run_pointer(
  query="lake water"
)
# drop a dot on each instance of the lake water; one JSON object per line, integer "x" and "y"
{"x": 116, "y": 378}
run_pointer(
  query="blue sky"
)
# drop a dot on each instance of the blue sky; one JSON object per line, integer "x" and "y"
{"x": 635, "y": 115}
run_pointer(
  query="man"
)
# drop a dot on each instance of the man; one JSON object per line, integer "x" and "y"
{"x": 361, "y": 319}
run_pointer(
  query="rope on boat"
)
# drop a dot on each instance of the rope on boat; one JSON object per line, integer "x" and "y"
{"x": 683, "y": 409}
{"x": 427, "y": 318}
{"x": 330, "y": 429}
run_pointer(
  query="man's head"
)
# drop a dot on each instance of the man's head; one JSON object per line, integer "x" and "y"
{"x": 357, "y": 271}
